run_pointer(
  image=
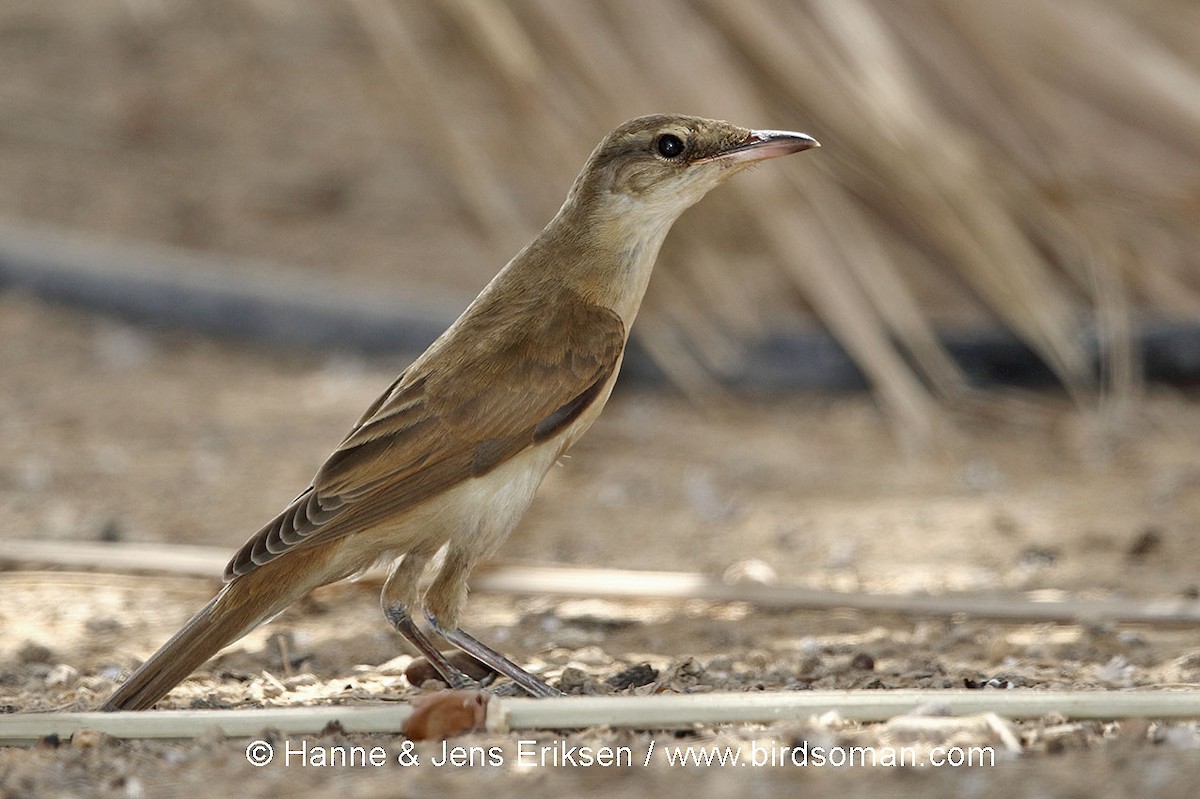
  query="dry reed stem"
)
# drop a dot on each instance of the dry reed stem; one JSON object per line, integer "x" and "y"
{"x": 623, "y": 583}
{"x": 651, "y": 712}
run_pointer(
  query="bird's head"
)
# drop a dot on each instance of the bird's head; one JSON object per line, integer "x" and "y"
{"x": 639, "y": 179}
{"x": 657, "y": 166}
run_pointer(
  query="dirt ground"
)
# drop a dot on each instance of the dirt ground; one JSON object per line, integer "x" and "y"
{"x": 272, "y": 131}
{"x": 113, "y": 432}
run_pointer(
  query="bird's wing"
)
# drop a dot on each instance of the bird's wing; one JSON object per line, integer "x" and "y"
{"x": 456, "y": 414}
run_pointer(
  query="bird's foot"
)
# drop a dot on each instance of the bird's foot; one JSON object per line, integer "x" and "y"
{"x": 492, "y": 659}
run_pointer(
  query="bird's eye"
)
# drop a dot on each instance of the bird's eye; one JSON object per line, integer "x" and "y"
{"x": 669, "y": 145}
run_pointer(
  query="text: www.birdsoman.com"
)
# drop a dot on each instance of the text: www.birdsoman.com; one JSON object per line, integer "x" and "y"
{"x": 300, "y": 753}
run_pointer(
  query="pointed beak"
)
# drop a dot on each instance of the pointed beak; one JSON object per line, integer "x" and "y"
{"x": 763, "y": 144}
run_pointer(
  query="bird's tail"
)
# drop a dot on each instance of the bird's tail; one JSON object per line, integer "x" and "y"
{"x": 240, "y": 607}
{"x": 199, "y": 640}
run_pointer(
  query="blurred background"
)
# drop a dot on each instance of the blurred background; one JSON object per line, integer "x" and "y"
{"x": 1007, "y": 191}
{"x": 961, "y": 340}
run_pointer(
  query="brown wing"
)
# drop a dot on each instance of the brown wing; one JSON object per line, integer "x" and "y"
{"x": 498, "y": 384}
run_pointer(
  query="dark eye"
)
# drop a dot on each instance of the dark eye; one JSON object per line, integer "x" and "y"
{"x": 669, "y": 145}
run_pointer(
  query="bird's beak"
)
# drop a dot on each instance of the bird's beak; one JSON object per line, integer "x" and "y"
{"x": 763, "y": 144}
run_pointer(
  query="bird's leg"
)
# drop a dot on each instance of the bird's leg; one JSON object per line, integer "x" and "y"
{"x": 399, "y": 593}
{"x": 400, "y": 619}
{"x": 444, "y": 601}
{"x": 492, "y": 659}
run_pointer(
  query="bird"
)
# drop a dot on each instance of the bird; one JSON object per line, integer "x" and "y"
{"x": 448, "y": 458}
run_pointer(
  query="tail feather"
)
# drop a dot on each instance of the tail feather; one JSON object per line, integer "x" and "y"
{"x": 232, "y": 613}
{"x": 244, "y": 603}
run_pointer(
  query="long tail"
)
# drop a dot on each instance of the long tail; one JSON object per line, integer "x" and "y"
{"x": 200, "y": 639}
{"x": 242, "y": 605}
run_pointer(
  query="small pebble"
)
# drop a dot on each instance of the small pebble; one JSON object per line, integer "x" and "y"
{"x": 420, "y": 670}
{"x": 633, "y": 677}
{"x": 63, "y": 675}
{"x": 445, "y": 714}
{"x": 1148, "y": 541}
{"x": 86, "y": 739}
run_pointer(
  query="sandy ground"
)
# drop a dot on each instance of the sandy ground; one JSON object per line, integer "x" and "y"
{"x": 112, "y": 432}
{"x": 272, "y": 131}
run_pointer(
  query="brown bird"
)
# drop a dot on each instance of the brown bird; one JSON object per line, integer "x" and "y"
{"x": 452, "y": 452}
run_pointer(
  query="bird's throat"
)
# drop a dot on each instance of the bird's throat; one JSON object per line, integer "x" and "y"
{"x": 615, "y": 247}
